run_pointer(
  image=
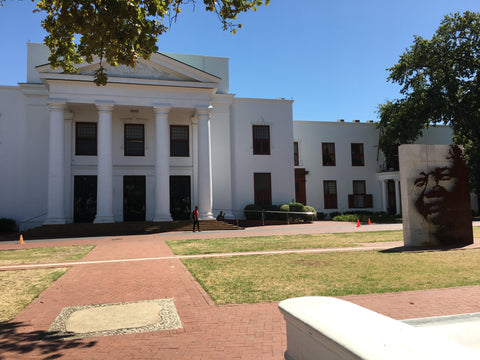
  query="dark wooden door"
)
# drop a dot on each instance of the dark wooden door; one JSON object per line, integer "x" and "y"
{"x": 134, "y": 198}
{"x": 180, "y": 197}
{"x": 84, "y": 198}
{"x": 300, "y": 186}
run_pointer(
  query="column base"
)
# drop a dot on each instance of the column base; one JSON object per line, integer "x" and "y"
{"x": 206, "y": 216}
{"x": 162, "y": 218}
{"x": 55, "y": 221}
{"x": 103, "y": 220}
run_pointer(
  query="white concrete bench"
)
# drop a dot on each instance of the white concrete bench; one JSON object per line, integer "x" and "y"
{"x": 332, "y": 329}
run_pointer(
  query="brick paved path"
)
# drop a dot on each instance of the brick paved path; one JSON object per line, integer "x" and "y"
{"x": 252, "y": 331}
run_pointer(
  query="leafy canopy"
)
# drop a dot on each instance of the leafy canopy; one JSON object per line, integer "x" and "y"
{"x": 119, "y": 31}
{"x": 440, "y": 84}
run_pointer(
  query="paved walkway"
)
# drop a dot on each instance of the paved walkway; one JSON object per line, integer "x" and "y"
{"x": 251, "y": 331}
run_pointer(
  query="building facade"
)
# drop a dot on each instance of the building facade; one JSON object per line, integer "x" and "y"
{"x": 167, "y": 136}
{"x": 152, "y": 144}
{"x": 340, "y": 168}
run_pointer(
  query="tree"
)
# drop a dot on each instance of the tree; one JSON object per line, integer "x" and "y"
{"x": 119, "y": 31}
{"x": 440, "y": 84}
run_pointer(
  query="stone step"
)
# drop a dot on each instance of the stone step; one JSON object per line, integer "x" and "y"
{"x": 119, "y": 229}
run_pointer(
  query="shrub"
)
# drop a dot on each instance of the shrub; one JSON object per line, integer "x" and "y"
{"x": 252, "y": 212}
{"x": 271, "y": 216}
{"x": 363, "y": 216}
{"x": 7, "y": 225}
{"x": 296, "y": 207}
{"x": 345, "y": 217}
{"x": 284, "y": 208}
{"x": 321, "y": 215}
{"x": 307, "y": 217}
{"x": 334, "y": 214}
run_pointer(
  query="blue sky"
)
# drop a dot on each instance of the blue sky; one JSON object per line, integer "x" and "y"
{"x": 330, "y": 56}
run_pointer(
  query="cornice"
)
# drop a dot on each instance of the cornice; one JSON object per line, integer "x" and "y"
{"x": 29, "y": 89}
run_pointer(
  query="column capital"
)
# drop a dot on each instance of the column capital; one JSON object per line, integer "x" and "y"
{"x": 56, "y": 104}
{"x": 104, "y": 106}
{"x": 162, "y": 108}
{"x": 204, "y": 110}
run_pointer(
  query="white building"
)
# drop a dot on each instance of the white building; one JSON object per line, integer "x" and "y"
{"x": 167, "y": 136}
{"x": 151, "y": 145}
{"x": 339, "y": 167}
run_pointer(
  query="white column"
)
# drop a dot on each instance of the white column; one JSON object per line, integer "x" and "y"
{"x": 105, "y": 165}
{"x": 68, "y": 116}
{"x": 162, "y": 165}
{"x": 398, "y": 201}
{"x": 204, "y": 161}
{"x": 56, "y": 164}
{"x": 384, "y": 195}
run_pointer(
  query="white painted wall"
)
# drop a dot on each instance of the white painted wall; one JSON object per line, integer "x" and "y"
{"x": 310, "y": 136}
{"x": 278, "y": 115}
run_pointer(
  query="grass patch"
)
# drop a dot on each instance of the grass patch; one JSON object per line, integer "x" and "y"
{"x": 20, "y": 287}
{"x": 43, "y": 255}
{"x": 284, "y": 242}
{"x": 253, "y": 279}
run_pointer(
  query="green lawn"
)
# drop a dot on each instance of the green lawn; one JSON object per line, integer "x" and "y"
{"x": 43, "y": 255}
{"x": 20, "y": 287}
{"x": 251, "y": 279}
{"x": 259, "y": 243}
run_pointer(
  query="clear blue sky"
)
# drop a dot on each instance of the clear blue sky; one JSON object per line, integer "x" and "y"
{"x": 330, "y": 56}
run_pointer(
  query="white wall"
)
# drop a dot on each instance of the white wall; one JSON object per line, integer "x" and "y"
{"x": 23, "y": 155}
{"x": 278, "y": 115}
{"x": 311, "y": 134}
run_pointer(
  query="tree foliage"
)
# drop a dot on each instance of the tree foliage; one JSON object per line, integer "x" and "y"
{"x": 440, "y": 84}
{"x": 120, "y": 31}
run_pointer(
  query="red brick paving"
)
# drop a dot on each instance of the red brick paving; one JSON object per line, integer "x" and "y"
{"x": 250, "y": 331}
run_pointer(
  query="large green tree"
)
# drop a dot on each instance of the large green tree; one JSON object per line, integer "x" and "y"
{"x": 440, "y": 84}
{"x": 120, "y": 31}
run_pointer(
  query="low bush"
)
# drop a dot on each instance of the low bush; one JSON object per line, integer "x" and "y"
{"x": 7, "y": 225}
{"x": 284, "y": 208}
{"x": 321, "y": 215}
{"x": 296, "y": 207}
{"x": 308, "y": 217}
{"x": 334, "y": 214}
{"x": 253, "y": 212}
{"x": 364, "y": 216}
{"x": 269, "y": 215}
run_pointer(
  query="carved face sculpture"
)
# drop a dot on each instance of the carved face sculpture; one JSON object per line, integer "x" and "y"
{"x": 437, "y": 187}
{"x": 444, "y": 199}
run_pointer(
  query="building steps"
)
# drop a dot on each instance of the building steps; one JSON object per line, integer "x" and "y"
{"x": 77, "y": 230}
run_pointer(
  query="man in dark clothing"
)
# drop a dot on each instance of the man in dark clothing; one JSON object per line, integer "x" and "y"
{"x": 195, "y": 219}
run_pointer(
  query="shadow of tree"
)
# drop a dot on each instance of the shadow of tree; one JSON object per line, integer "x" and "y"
{"x": 50, "y": 345}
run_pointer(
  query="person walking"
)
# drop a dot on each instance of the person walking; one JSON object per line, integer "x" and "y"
{"x": 195, "y": 219}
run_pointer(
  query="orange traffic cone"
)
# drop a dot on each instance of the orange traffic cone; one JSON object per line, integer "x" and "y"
{"x": 369, "y": 222}
{"x": 358, "y": 223}
{"x": 21, "y": 239}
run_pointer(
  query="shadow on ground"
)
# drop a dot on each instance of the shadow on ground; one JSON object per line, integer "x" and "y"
{"x": 50, "y": 346}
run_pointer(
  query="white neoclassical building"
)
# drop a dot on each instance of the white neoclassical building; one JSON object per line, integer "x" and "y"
{"x": 152, "y": 144}
{"x": 167, "y": 136}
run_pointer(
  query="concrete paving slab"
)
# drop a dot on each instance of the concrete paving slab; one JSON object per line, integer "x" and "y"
{"x": 115, "y": 319}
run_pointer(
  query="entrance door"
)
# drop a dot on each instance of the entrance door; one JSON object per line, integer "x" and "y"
{"x": 180, "y": 198}
{"x": 300, "y": 189}
{"x": 392, "y": 203}
{"x": 84, "y": 198}
{"x": 134, "y": 198}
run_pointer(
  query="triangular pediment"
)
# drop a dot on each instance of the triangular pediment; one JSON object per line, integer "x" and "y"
{"x": 159, "y": 68}
{"x": 142, "y": 70}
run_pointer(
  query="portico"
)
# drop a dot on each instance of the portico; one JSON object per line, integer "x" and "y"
{"x": 390, "y": 185}
{"x": 156, "y": 104}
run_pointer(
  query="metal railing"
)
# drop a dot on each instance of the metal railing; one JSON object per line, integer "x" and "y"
{"x": 287, "y": 213}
